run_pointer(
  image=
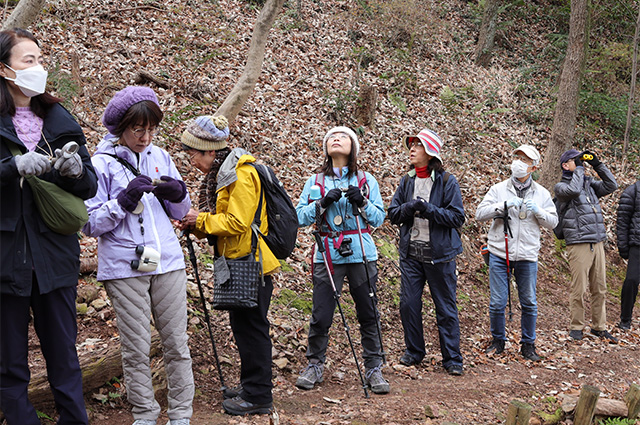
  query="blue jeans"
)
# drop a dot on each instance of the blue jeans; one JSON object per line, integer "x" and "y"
{"x": 526, "y": 274}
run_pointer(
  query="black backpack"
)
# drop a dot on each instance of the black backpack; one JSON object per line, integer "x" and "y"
{"x": 282, "y": 218}
{"x": 561, "y": 209}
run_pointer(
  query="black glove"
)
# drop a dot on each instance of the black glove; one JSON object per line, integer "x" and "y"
{"x": 332, "y": 196}
{"x": 594, "y": 162}
{"x": 418, "y": 205}
{"x": 354, "y": 195}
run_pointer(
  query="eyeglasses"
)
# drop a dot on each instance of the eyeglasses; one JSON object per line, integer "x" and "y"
{"x": 140, "y": 132}
{"x": 415, "y": 144}
{"x": 341, "y": 136}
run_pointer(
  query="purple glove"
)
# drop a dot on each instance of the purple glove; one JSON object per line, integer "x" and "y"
{"x": 129, "y": 198}
{"x": 172, "y": 190}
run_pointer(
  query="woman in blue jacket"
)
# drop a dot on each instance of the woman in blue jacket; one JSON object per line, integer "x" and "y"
{"x": 39, "y": 266}
{"x": 428, "y": 208}
{"x": 326, "y": 206}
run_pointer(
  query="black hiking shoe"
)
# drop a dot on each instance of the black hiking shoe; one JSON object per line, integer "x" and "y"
{"x": 455, "y": 370}
{"x": 575, "y": 334}
{"x": 496, "y": 347}
{"x": 528, "y": 351}
{"x": 228, "y": 393}
{"x": 408, "y": 360}
{"x": 238, "y": 406}
{"x": 605, "y": 335}
{"x": 624, "y": 325}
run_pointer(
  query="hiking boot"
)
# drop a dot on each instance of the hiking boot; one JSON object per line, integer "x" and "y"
{"x": 310, "y": 376}
{"x": 575, "y": 334}
{"x": 228, "y": 393}
{"x": 529, "y": 351}
{"x": 496, "y": 347}
{"x": 238, "y": 406}
{"x": 376, "y": 382}
{"x": 183, "y": 421}
{"x": 625, "y": 325}
{"x": 144, "y": 422}
{"x": 605, "y": 335}
{"x": 455, "y": 370}
{"x": 408, "y": 360}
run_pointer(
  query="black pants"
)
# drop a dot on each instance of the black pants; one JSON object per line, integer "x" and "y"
{"x": 251, "y": 331}
{"x": 54, "y": 319}
{"x": 630, "y": 285}
{"x": 324, "y": 305}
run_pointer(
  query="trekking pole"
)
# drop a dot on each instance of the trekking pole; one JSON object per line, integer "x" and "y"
{"x": 356, "y": 213}
{"x": 507, "y": 231}
{"x": 194, "y": 263}
{"x": 336, "y": 296}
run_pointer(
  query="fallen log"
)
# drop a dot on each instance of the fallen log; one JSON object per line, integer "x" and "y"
{"x": 96, "y": 372}
{"x": 604, "y": 406}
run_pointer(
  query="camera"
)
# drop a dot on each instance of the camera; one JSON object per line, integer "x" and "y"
{"x": 345, "y": 248}
{"x": 149, "y": 259}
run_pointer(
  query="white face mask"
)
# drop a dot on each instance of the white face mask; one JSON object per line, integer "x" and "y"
{"x": 31, "y": 81}
{"x": 519, "y": 168}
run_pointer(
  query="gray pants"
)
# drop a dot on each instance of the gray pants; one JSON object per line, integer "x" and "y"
{"x": 135, "y": 300}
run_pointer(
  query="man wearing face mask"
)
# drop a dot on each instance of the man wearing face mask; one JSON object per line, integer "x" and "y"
{"x": 527, "y": 206}
{"x": 584, "y": 232}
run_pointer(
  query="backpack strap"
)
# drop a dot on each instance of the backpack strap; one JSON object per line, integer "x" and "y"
{"x": 124, "y": 163}
{"x": 362, "y": 183}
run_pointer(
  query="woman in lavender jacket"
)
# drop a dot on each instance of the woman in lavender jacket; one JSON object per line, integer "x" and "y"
{"x": 140, "y": 259}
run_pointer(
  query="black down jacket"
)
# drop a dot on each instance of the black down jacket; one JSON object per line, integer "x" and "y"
{"x": 27, "y": 245}
{"x": 628, "y": 223}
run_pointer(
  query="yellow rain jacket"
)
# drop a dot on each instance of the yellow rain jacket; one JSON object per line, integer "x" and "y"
{"x": 235, "y": 209}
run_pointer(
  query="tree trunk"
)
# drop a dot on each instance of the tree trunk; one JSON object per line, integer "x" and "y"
{"x": 632, "y": 89}
{"x": 487, "y": 33}
{"x": 24, "y": 14}
{"x": 564, "y": 120}
{"x": 244, "y": 87}
{"x": 96, "y": 371}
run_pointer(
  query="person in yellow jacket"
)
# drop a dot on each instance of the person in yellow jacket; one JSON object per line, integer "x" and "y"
{"x": 227, "y": 203}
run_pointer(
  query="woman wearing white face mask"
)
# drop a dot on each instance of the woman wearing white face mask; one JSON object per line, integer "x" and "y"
{"x": 529, "y": 207}
{"x": 39, "y": 266}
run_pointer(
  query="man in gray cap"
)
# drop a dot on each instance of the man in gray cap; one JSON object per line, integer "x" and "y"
{"x": 584, "y": 232}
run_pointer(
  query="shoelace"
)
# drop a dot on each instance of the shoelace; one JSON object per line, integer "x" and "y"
{"x": 315, "y": 367}
{"x": 370, "y": 372}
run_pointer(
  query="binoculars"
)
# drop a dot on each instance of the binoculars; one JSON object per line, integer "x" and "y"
{"x": 149, "y": 259}
{"x": 586, "y": 157}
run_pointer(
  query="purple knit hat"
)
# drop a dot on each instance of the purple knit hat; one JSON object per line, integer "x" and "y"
{"x": 570, "y": 154}
{"x": 122, "y": 101}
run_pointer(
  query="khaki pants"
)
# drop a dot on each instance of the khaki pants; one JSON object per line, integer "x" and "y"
{"x": 587, "y": 263}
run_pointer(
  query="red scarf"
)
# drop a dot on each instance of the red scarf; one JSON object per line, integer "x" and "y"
{"x": 422, "y": 172}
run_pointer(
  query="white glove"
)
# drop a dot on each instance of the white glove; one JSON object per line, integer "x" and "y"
{"x": 514, "y": 202}
{"x": 70, "y": 166}
{"x": 532, "y": 206}
{"x": 32, "y": 164}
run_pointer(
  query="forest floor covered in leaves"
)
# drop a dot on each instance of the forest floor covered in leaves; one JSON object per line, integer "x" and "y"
{"x": 416, "y": 54}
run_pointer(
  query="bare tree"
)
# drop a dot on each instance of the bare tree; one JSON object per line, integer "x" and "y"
{"x": 24, "y": 14}
{"x": 564, "y": 121}
{"x": 632, "y": 90}
{"x": 487, "y": 34}
{"x": 244, "y": 87}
